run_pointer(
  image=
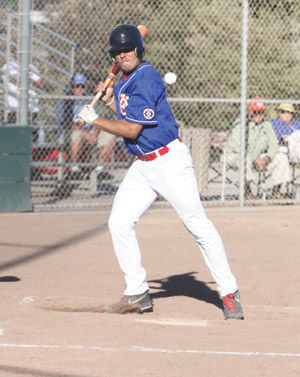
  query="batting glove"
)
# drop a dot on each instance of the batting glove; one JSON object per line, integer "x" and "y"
{"x": 88, "y": 114}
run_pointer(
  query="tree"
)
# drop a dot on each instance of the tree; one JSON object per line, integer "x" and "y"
{"x": 198, "y": 40}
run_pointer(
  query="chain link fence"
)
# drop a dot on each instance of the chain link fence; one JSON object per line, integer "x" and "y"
{"x": 222, "y": 54}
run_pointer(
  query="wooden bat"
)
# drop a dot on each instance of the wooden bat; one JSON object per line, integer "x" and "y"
{"x": 115, "y": 69}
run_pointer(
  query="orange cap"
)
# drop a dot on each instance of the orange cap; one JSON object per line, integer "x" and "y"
{"x": 257, "y": 104}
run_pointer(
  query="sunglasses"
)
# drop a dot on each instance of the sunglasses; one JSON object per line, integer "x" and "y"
{"x": 79, "y": 86}
{"x": 259, "y": 112}
{"x": 285, "y": 112}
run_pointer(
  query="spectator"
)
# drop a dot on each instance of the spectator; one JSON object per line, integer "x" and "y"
{"x": 80, "y": 136}
{"x": 287, "y": 131}
{"x": 10, "y": 73}
{"x": 262, "y": 150}
{"x": 77, "y": 138}
{"x": 86, "y": 134}
{"x": 106, "y": 143}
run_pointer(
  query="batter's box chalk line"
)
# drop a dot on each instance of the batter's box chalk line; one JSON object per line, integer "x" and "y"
{"x": 175, "y": 322}
{"x": 140, "y": 349}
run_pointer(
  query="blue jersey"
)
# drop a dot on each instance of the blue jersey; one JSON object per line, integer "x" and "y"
{"x": 281, "y": 128}
{"x": 141, "y": 98}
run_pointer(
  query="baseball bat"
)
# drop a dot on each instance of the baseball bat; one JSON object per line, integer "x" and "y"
{"x": 115, "y": 69}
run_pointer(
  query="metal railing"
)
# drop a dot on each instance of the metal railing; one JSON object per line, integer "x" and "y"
{"x": 45, "y": 47}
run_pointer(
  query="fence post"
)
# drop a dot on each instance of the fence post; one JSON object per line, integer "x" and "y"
{"x": 72, "y": 64}
{"x": 6, "y": 77}
{"x": 61, "y": 156}
{"x": 25, "y": 30}
{"x": 243, "y": 110}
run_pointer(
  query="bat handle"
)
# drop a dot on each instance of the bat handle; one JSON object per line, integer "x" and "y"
{"x": 96, "y": 98}
{"x": 93, "y": 103}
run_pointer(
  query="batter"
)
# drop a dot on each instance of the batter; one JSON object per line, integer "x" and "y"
{"x": 163, "y": 166}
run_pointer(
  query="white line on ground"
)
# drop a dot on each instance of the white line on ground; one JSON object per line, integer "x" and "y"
{"x": 274, "y": 308}
{"x": 148, "y": 349}
{"x": 159, "y": 350}
{"x": 175, "y": 322}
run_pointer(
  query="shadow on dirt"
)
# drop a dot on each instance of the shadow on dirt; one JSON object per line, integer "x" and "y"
{"x": 9, "y": 279}
{"x": 185, "y": 285}
{"x": 16, "y": 371}
{"x": 56, "y": 247}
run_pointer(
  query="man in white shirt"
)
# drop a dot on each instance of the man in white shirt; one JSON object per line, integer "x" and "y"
{"x": 10, "y": 76}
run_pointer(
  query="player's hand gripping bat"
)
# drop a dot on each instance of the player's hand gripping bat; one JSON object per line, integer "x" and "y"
{"x": 115, "y": 69}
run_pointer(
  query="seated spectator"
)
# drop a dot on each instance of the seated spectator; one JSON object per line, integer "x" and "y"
{"x": 86, "y": 134}
{"x": 262, "y": 150}
{"x": 287, "y": 131}
{"x": 81, "y": 135}
{"x": 10, "y": 73}
{"x": 106, "y": 143}
{"x": 77, "y": 137}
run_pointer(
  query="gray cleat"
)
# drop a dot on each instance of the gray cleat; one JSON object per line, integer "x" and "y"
{"x": 232, "y": 306}
{"x": 129, "y": 304}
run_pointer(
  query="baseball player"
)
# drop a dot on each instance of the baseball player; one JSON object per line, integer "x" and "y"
{"x": 163, "y": 166}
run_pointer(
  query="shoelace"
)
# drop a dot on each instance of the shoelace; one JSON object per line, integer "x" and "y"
{"x": 229, "y": 302}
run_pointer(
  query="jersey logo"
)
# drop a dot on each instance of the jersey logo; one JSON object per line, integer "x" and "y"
{"x": 123, "y": 103}
{"x": 148, "y": 114}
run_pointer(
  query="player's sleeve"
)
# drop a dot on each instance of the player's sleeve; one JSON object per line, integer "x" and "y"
{"x": 142, "y": 101}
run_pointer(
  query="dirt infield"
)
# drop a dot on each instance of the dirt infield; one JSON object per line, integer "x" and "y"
{"x": 66, "y": 259}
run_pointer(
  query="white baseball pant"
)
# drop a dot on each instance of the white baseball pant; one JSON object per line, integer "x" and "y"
{"x": 172, "y": 176}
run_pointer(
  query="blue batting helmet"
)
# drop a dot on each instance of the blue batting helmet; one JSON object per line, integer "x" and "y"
{"x": 126, "y": 36}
